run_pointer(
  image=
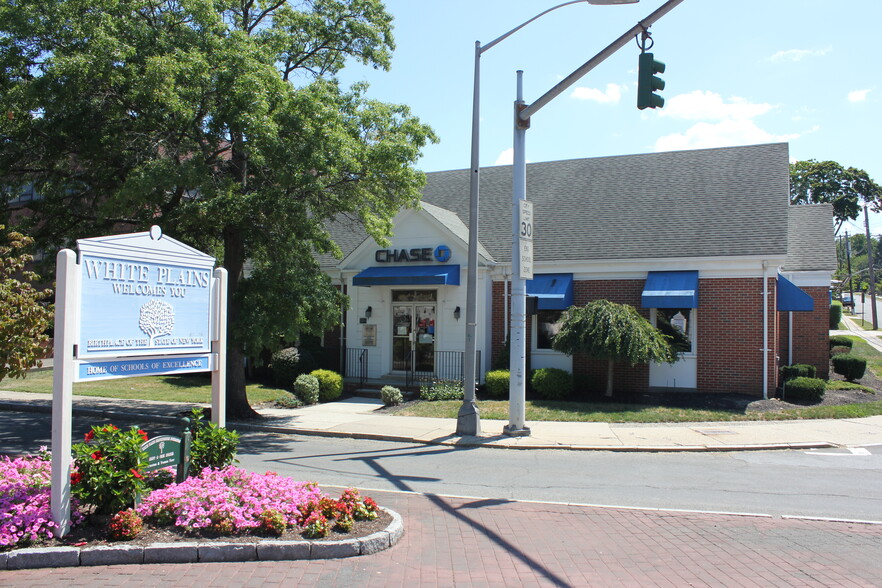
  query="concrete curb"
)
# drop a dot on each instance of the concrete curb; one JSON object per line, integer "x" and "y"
{"x": 197, "y": 551}
{"x": 454, "y": 442}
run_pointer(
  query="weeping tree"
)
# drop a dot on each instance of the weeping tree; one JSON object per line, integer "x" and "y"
{"x": 615, "y": 332}
{"x": 225, "y": 123}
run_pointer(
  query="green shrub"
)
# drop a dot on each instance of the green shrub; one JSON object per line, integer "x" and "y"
{"x": 835, "y": 314}
{"x": 288, "y": 400}
{"x": 284, "y": 365}
{"x": 839, "y": 350}
{"x": 108, "y": 468}
{"x": 841, "y": 341}
{"x": 391, "y": 396}
{"x": 330, "y": 385}
{"x": 306, "y": 386}
{"x": 552, "y": 383}
{"x": 497, "y": 383}
{"x": 850, "y": 367}
{"x": 212, "y": 446}
{"x": 808, "y": 389}
{"x": 441, "y": 390}
{"x": 798, "y": 370}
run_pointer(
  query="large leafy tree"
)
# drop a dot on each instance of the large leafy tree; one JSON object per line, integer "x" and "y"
{"x": 221, "y": 121}
{"x": 615, "y": 332}
{"x": 815, "y": 182}
{"x": 24, "y": 312}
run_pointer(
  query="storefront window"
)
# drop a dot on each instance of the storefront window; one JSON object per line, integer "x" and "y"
{"x": 547, "y": 326}
{"x": 677, "y": 324}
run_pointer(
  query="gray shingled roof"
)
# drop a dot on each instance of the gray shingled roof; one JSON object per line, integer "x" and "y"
{"x": 710, "y": 202}
{"x": 811, "y": 246}
{"x": 454, "y": 224}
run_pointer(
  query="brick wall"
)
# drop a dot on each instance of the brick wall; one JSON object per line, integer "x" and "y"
{"x": 729, "y": 335}
{"x": 810, "y": 333}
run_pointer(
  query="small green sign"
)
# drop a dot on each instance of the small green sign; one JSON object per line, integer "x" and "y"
{"x": 162, "y": 452}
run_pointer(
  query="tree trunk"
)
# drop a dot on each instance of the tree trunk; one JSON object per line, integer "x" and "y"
{"x": 609, "y": 375}
{"x": 238, "y": 407}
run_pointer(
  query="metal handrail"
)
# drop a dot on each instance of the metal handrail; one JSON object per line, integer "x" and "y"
{"x": 356, "y": 365}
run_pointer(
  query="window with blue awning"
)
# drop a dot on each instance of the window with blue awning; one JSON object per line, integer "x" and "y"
{"x": 675, "y": 289}
{"x": 791, "y": 298}
{"x": 408, "y": 275}
{"x": 552, "y": 291}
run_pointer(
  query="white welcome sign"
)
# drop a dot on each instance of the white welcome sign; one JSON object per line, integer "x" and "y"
{"x": 132, "y": 305}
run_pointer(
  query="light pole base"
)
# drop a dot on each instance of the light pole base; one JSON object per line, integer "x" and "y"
{"x": 468, "y": 421}
{"x": 513, "y": 431}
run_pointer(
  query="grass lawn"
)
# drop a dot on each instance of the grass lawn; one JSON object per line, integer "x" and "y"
{"x": 608, "y": 412}
{"x": 603, "y": 412}
{"x": 168, "y": 388}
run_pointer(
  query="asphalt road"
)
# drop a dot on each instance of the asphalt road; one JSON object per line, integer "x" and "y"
{"x": 829, "y": 483}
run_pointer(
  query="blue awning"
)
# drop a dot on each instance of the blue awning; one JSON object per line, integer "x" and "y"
{"x": 790, "y": 298}
{"x": 553, "y": 291}
{"x": 408, "y": 275}
{"x": 671, "y": 290}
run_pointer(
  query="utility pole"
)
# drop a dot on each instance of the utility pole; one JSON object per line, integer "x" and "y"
{"x": 870, "y": 262}
{"x": 848, "y": 261}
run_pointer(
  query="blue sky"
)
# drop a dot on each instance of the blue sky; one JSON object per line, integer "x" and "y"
{"x": 739, "y": 72}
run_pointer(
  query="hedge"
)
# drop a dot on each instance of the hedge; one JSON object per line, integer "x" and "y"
{"x": 552, "y": 383}
{"x": 850, "y": 367}
{"x": 497, "y": 384}
{"x": 330, "y": 385}
{"x": 841, "y": 341}
{"x": 835, "y": 314}
{"x": 808, "y": 389}
{"x": 307, "y": 388}
{"x": 798, "y": 370}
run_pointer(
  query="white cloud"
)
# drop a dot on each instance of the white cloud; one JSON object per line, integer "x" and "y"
{"x": 799, "y": 54}
{"x": 705, "y": 105}
{"x": 611, "y": 95}
{"x": 720, "y": 122}
{"x": 858, "y": 95}
{"x": 726, "y": 133}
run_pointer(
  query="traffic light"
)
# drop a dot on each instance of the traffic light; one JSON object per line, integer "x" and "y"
{"x": 648, "y": 83}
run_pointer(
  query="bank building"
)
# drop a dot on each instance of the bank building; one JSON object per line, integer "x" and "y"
{"x": 703, "y": 243}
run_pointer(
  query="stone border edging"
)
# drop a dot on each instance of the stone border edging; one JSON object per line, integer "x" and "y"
{"x": 200, "y": 551}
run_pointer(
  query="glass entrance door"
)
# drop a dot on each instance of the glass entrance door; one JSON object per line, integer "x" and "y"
{"x": 413, "y": 330}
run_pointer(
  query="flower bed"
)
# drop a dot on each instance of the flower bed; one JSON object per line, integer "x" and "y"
{"x": 25, "y": 501}
{"x": 228, "y": 502}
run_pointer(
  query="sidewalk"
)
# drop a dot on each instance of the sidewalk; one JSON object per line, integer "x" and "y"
{"x": 359, "y": 418}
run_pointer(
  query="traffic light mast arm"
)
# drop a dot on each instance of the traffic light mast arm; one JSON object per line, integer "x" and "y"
{"x": 525, "y": 114}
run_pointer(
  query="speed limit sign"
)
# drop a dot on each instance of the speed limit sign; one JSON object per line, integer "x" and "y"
{"x": 525, "y": 221}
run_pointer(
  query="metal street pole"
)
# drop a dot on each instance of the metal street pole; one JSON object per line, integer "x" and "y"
{"x": 516, "y": 426}
{"x": 872, "y": 274}
{"x": 468, "y": 421}
{"x": 523, "y": 112}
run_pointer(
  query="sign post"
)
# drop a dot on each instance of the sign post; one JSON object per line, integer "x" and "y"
{"x": 131, "y": 305}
